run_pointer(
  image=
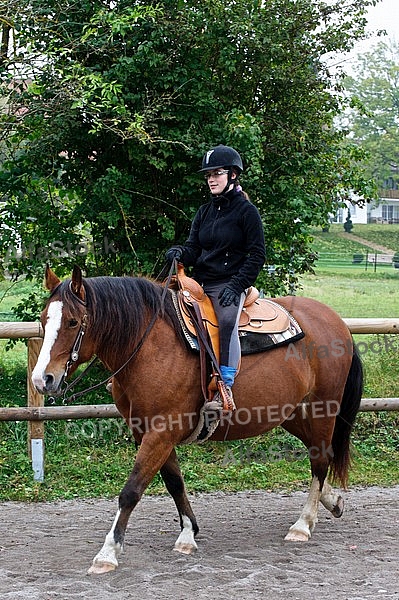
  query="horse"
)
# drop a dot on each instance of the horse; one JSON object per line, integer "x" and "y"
{"x": 311, "y": 388}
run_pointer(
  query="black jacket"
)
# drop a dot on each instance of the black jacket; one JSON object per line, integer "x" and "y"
{"x": 226, "y": 242}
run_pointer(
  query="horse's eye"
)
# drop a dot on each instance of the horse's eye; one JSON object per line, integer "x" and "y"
{"x": 72, "y": 323}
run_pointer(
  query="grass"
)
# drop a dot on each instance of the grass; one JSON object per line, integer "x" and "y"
{"x": 383, "y": 235}
{"x": 93, "y": 458}
{"x": 354, "y": 295}
{"x": 335, "y": 240}
{"x": 11, "y": 293}
{"x": 336, "y": 250}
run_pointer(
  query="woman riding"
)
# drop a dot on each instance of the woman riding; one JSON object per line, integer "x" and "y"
{"x": 226, "y": 249}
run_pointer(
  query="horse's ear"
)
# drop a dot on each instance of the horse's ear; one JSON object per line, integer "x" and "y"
{"x": 50, "y": 279}
{"x": 77, "y": 283}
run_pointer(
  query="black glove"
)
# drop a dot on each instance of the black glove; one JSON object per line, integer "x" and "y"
{"x": 173, "y": 253}
{"x": 228, "y": 296}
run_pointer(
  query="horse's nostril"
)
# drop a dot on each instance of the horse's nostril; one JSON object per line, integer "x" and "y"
{"x": 49, "y": 380}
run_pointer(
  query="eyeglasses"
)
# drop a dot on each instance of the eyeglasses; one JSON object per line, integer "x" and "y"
{"x": 217, "y": 173}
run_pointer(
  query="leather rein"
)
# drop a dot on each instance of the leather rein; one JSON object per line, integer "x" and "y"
{"x": 74, "y": 354}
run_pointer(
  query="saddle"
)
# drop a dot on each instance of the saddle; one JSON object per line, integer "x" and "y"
{"x": 259, "y": 316}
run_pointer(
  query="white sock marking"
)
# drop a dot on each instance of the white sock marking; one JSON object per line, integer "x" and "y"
{"x": 186, "y": 541}
{"x": 110, "y": 551}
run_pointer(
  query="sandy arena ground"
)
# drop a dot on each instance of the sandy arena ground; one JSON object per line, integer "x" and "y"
{"x": 46, "y": 549}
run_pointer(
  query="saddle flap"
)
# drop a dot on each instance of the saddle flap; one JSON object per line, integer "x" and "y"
{"x": 189, "y": 292}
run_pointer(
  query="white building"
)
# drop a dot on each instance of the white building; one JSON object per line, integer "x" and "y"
{"x": 386, "y": 210}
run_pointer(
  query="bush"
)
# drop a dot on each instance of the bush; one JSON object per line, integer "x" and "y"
{"x": 357, "y": 258}
{"x": 395, "y": 260}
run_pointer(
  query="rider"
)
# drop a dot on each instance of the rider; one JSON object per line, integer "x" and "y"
{"x": 226, "y": 248}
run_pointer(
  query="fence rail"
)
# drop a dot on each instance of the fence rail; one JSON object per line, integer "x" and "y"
{"x": 363, "y": 260}
{"x": 109, "y": 411}
{"x": 36, "y": 413}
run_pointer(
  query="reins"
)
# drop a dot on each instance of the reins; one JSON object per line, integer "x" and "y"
{"x": 78, "y": 342}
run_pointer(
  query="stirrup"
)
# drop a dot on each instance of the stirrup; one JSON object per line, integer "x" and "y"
{"x": 222, "y": 401}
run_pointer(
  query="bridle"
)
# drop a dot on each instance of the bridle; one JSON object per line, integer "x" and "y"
{"x": 74, "y": 353}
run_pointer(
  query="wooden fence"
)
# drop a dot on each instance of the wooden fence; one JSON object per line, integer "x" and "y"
{"x": 36, "y": 413}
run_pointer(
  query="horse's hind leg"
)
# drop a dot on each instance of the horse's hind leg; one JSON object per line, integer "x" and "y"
{"x": 331, "y": 500}
{"x": 302, "y": 529}
{"x": 318, "y": 442}
{"x": 173, "y": 479}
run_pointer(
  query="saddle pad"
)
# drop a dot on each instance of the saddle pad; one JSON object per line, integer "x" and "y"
{"x": 251, "y": 343}
{"x": 267, "y": 327}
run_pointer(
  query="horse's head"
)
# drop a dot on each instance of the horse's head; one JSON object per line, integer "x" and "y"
{"x": 64, "y": 321}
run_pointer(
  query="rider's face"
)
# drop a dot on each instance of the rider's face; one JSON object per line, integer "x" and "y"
{"x": 217, "y": 180}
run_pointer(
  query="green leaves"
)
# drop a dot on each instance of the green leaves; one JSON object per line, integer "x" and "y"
{"x": 105, "y": 142}
{"x": 375, "y": 112}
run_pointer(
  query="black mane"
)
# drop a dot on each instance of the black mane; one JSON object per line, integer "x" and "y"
{"x": 119, "y": 308}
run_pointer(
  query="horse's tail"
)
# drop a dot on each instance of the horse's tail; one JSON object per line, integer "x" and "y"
{"x": 345, "y": 419}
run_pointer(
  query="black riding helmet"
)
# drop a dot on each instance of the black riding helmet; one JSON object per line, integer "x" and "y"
{"x": 223, "y": 157}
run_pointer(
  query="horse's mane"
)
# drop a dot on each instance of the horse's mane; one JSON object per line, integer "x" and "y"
{"x": 119, "y": 308}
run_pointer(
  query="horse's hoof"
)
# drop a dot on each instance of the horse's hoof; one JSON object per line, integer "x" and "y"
{"x": 185, "y": 548}
{"x": 338, "y": 509}
{"x": 297, "y": 536}
{"x": 99, "y": 568}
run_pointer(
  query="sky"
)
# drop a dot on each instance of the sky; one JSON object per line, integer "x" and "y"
{"x": 385, "y": 15}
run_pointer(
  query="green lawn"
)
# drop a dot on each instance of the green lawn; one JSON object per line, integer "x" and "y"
{"x": 334, "y": 239}
{"x": 11, "y": 293}
{"x": 383, "y": 235}
{"x": 356, "y": 294}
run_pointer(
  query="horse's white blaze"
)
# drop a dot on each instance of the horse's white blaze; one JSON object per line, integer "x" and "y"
{"x": 109, "y": 552}
{"x": 54, "y": 317}
{"x": 185, "y": 543}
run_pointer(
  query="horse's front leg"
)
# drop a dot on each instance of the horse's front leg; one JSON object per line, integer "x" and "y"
{"x": 173, "y": 479}
{"x": 153, "y": 453}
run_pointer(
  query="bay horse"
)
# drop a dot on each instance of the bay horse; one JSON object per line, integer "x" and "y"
{"x": 312, "y": 389}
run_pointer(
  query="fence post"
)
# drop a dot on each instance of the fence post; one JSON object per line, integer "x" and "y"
{"x": 35, "y": 428}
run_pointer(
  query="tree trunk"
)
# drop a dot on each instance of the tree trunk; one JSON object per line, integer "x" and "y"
{"x": 5, "y": 40}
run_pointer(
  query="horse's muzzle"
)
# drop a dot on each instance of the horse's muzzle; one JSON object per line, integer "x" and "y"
{"x": 48, "y": 384}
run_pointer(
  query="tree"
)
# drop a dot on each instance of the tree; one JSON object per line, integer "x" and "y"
{"x": 348, "y": 225}
{"x": 374, "y": 117}
{"x": 115, "y": 103}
